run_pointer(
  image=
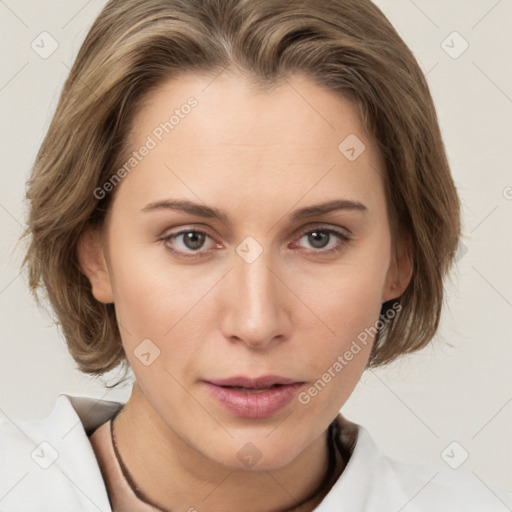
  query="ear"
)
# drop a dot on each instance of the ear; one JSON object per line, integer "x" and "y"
{"x": 91, "y": 257}
{"x": 400, "y": 269}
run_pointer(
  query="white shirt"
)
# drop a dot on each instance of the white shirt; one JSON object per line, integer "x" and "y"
{"x": 50, "y": 465}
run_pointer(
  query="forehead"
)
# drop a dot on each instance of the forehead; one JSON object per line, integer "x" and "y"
{"x": 255, "y": 114}
{"x": 211, "y": 132}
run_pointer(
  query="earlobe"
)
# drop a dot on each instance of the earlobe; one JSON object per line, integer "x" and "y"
{"x": 400, "y": 270}
{"x": 92, "y": 261}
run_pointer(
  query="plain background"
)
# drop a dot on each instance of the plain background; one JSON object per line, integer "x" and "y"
{"x": 459, "y": 388}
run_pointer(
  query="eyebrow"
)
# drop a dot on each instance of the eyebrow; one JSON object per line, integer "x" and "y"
{"x": 202, "y": 210}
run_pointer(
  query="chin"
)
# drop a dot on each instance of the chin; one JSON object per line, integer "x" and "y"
{"x": 257, "y": 453}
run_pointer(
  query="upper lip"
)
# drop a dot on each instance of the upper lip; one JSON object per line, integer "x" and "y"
{"x": 265, "y": 381}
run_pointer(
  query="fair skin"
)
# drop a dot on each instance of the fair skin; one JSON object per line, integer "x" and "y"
{"x": 259, "y": 156}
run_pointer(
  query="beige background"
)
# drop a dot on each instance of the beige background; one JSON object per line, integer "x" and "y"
{"x": 458, "y": 389}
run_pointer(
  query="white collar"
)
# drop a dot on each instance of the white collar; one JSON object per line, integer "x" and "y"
{"x": 371, "y": 481}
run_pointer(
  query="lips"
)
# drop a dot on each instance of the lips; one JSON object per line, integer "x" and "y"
{"x": 258, "y": 397}
{"x": 266, "y": 381}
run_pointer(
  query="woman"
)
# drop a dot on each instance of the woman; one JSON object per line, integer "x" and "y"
{"x": 246, "y": 204}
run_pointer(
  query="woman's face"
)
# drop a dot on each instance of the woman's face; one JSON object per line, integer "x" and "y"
{"x": 250, "y": 239}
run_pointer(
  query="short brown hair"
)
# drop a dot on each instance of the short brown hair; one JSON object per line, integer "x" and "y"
{"x": 134, "y": 46}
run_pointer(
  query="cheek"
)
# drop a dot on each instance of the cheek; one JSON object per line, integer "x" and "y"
{"x": 347, "y": 305}
{"x": 359, "y": 308}
{"x": 350, "y": 314}
{"x": 145, "y": 298}
{"x": 158, "y": 301}
{"x": 139, "y": 291}
{"x": 337, "y": 360}
{"x": 347, "y": 300}
{"x": 147, "y": 287}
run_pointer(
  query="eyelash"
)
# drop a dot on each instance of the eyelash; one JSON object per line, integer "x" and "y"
{"x": 344, "y": 240}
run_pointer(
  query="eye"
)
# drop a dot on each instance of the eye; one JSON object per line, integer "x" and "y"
{"x": 187, "y": 242}
{"x": 322, "y": 237}
{"x": 190, "y": 243}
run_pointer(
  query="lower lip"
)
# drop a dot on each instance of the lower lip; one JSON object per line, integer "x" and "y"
{"x": 246, "y": 404}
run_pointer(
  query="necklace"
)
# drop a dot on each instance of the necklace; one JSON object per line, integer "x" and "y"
{"x": 338, "y": 456}
{"x": 128, "y": 477}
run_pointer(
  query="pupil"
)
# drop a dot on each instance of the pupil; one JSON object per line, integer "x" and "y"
{"x": 318, "y": 239}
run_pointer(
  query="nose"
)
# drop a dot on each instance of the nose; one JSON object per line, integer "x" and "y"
{"x": 256, "y": 312}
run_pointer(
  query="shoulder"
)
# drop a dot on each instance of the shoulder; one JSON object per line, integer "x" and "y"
{"x": 431, "y": 488}
{"x": 374, "y": 482}
{"x": 49, "y": 464}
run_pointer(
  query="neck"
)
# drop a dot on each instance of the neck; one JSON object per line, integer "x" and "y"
{"x": 175, "y": 476}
